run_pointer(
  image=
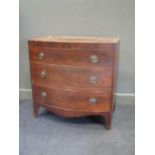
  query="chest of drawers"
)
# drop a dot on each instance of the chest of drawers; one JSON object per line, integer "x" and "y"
{"x": 74, "y": 76}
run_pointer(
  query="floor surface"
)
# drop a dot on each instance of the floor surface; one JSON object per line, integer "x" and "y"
{"x": 54, "y": 135}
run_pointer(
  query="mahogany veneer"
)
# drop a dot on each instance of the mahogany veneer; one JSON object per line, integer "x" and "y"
{"x": 74, "y": 76}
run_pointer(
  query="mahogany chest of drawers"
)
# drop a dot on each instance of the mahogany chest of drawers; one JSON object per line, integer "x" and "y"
{"x": 74, "y": 76}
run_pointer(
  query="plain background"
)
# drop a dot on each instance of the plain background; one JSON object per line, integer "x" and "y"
{"x": 80, "y": 18}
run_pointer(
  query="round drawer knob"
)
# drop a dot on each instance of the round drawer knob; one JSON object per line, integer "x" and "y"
{"x": 92, "y": 79}
{"x": 43, "y": 94}
{"x": 92, "y": 101}
{"x": 42, "y": 74}
{"x": 94, "y": 59}
{"x": 41, "y": 56}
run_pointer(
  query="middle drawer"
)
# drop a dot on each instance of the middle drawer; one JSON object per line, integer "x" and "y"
{"x": 71, "y": 77}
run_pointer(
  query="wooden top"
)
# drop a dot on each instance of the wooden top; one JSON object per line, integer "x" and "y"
{"x": 73, "y": 39}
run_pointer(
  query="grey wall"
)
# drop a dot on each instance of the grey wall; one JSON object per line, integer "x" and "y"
{"x": 80, "y": 17}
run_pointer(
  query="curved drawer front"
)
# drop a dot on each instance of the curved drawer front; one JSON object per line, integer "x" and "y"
{"x": 45, "y": 55}
{"x": 71, "y": 77}
{"x": 73, "y": 100}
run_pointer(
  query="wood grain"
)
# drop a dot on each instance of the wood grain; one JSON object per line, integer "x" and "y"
{"x": 73, "y": 100}
{"x": 71, "y": 57}
{"x": 72, "y": 77}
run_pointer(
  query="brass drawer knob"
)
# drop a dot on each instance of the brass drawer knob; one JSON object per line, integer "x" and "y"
{"x": 43, "y": 94}
{"x": 93, "y": 79}
{"x": 41, "y": 56}
{"x": 92, "y": 101}
{"x": 94, "y": 59}
{"x": 42, "y": 74}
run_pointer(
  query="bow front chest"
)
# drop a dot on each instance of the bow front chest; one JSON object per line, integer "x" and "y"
{"x": 74, "y": 76}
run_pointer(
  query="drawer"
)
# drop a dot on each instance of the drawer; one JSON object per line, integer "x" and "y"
{"x": 72, "y": 76}
{"x": 91, "y": 101}
{"x": 71, "y": 57}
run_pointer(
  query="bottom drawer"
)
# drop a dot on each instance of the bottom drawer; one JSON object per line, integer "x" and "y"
{"x": 90, "y": 101}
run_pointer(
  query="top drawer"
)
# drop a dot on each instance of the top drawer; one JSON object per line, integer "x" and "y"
{"x": 77, "y": 57}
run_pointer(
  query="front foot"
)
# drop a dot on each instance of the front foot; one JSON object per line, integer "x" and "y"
{"x": 107, "y": 119}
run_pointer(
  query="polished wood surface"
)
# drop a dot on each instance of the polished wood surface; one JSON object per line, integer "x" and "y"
{"x": 77, "y": 39}
{"x": 72, "y": 57}
{"x": 73, "y": 99}
{"x": 74, "y": 76}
